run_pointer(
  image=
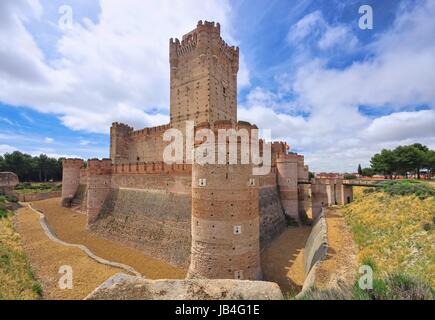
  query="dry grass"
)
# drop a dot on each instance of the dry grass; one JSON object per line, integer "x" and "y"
{"x": 16, "y": 278}
{"x": 46, "y": 258}
{"x": 70, "y": 226}
{"x": 396, "y": 233}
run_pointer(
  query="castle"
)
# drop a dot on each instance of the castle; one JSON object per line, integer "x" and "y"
{"x": 213, "y": 218}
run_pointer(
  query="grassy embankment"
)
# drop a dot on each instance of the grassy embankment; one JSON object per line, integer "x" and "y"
{"x": 16, "y": 277}
{"x": 36, "y": 187}
{"x": 393, "y": 226}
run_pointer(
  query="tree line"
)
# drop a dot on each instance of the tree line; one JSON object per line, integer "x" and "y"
{"x": 401, "y": 161}
{"x": 32, "y": 168}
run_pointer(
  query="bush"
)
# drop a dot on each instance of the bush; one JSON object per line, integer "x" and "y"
{"x": 349, "y": 176}
{"x": 3, "y": 213}
{"x": 291, "y": 222}
{"x": 407, "y": 187}
{"x": 37, "y": 289}
{"x": 12, "y": 199}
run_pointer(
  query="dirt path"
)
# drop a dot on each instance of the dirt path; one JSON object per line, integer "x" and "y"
{"x": 70, "y": 226}
{"x": 282, "y": 261}
{"x": 47, "y": 256}
{"x": 340, "y": 263}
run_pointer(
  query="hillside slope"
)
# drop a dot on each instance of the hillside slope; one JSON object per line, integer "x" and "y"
{"x": 395, "y": 233}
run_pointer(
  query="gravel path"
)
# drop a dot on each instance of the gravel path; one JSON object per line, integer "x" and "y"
{"x": 70, "y": 226}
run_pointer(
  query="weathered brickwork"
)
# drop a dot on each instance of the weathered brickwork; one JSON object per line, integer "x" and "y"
{"x": 8, "y": 181}
{"x": 156, "y": 222}
{"x": 213, "y": 219}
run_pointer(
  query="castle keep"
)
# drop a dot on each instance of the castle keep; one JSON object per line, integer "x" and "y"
{"x": 213, "y": 219}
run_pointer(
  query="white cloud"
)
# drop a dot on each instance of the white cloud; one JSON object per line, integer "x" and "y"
{"x": 402, "y": 125}
{"x": 115, "y": 69}
{"x": 5, "y": 148}
{"x": 399, "y": 74}
{"x": 48, "y": 140}
{"x": 314, "y": 27}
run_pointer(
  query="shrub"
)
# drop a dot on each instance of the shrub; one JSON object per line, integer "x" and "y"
{"x": 291, "y": 222}
{"x": 3, "y": 214}
{"x": 37, "y": 289}
{"x": 407, "y": 187}
{"x": 12, "y": 199}
{"x": 426, "y": 226}
{"x": 349, "y": 176}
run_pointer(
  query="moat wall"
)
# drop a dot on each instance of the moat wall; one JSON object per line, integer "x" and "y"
{"x": 272, "y": 217}
{"x": 159, "y": 222}
{"x": 156, "y": 222}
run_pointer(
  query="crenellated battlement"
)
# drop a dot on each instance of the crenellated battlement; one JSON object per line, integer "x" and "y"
{"x": 149, "y": 131}
{"x": 121, "y": 126}
{"x": 151, "y": 168}
{"x": 72, "y": 163}
{"x": 99, "y": 167}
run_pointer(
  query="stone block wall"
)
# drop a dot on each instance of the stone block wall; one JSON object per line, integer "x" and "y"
{"x": 156, "y": 222}
{"x": 71, "y": 175}
{"x": 272, "y": 217}
{"x": 8, "y": 181}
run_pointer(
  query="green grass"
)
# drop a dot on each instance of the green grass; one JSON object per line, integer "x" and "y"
{"x": 407, "y": 187}
{"x": 28, "y": 187}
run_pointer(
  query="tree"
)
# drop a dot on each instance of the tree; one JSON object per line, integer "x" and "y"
{"x": 403, "y": 160}
{"x": 360, "y": 170}
{"x": 28, "y": 168}
{"x": 368, "y": 172}
{"x": 384, "y": 163}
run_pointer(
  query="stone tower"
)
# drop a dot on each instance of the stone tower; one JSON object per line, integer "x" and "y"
{"x": 287, "y": 167}
{"x": 119, "y": 134}
{"x": 98, "y": 186}
{"x": 203, "y": 84}
{"x": 70, "y": 179}
{"x": 225, "y": 221}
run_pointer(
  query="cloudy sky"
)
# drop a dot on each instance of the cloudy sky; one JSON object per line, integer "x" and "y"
{"x": 335, "y": 92}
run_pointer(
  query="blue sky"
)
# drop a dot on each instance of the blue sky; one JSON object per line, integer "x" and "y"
{"x": 335, "y": 92}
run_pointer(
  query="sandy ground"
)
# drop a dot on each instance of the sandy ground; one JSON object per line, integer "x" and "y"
{"x": 46, "y": 257}
{"x": 282, "y": 261}
{"x": 340, "y": 264}
{"x": 70, "y": 226}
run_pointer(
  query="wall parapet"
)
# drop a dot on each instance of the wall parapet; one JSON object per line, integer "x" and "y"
{"x": 150, "y": 168}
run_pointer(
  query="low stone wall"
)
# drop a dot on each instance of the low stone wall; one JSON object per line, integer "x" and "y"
{"x": 38, "y": 196}
{"x": 154, "y": 221}
{"x": 125, "y": 287}
{"x": 272, "y": 218}
{"x": 315, "y": 250}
